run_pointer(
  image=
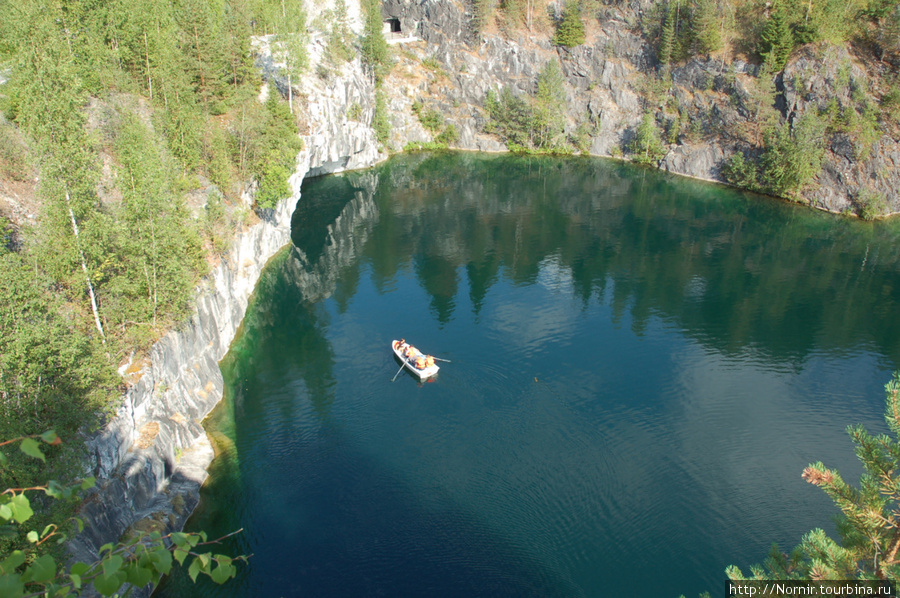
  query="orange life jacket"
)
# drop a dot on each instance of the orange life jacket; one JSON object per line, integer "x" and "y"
{"x": 420, "y": 363}
{"x": 429, "y": 361}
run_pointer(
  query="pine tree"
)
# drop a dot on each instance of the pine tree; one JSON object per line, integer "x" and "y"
{"x": 158, "y": 247}
{"x": 374, "y": 46}
{"x": 292, "y": 49}
{"x": 705, "y": 28}
{"x": 869, "y": 520}
{"x": 793, "y": 154}
{"x": 776, "y": 41}
{"x": 549, "y": 104}
{"x": 646, "y": 146}
{"x": 667, "y": 37}
{"x": 570, "y": 29}
{"x": 481, "y": 13}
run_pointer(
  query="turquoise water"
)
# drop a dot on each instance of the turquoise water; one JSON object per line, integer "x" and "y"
{"x": 642, "y": 366}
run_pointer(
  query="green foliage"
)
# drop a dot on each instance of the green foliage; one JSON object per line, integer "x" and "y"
{"x": 380, "y": 122}
{"x": 666, "y": 47}
{"x": 741, "y": 172}
{"x": 166, "y": 91}
{"x": 549, "y": 117}
{"x": 481, "y": 11}
{"x": 158, "y": 252}
{"x": 793, "y": 155}
{"x": 869, "y": 515}
{"x": 861, "y": 125}
{"x": 217, "y": 156}
{"x": 430, "y": 118}
{"x": 570, "y": 28}
{"x": 27, "y": 569}
{"x": 432, "y": 64}
{"x": 705, "y": 27}
{"x": 646, "y": 147}
{"x": 374, "y": 47}
{"x": 273, "y": 175}
{"x": 339, "y": 41}
{"x": 427, "y": 146}
{"x": 448, "y": 136}
{"x": 275, "y": 152}
{"x": 890, "y": 102}
{"x": 535, "y": 124}
{"x": 684, "y": 29}
{"x": 16, "y": 162}
{"x": 832, "y": 21}
{"x": 871, "y": 205}
{"x": 582, "y": 139}
{"x": 509, "y": 116}
{"x": 776, "y": 41}
{"x": 51, "y": 372}
{"x": 355, "y": 112}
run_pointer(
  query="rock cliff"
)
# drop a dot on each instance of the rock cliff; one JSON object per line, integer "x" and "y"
{"x": 613, "y": 79}
{"x": 151, "y": 458}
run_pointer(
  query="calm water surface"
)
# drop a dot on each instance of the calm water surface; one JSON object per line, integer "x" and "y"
{"x": 641, "y": 368}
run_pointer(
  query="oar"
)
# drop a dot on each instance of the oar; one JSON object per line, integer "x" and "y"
{"x": 398, "y": 371}
{"x": 439, "y": 359}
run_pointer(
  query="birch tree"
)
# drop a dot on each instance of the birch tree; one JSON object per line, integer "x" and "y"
{"x": 50, "y": 107}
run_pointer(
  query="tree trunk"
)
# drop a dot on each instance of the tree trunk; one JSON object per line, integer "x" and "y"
{"x": 84, "y": 269}
{"x": 149, "y": 78}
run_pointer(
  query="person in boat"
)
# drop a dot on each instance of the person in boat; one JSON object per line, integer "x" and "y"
{"x": 420, "y": 362}
{"x": 400, "y": 345}
{"x": 411, "y": 351}
{"x": 429, "y": 361}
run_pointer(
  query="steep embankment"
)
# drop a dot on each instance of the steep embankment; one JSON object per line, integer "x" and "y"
{"x": 709, "y": 109}
{"x": 151, "y": 459}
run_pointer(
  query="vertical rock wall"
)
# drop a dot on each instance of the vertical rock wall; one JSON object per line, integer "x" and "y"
{"x": 151, "y": 458}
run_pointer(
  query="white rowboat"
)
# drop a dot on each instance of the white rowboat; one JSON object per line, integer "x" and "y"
{"x": 410, "y": 362}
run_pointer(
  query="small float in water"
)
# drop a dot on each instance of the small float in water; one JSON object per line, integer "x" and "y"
{"x": 414, "y": 360}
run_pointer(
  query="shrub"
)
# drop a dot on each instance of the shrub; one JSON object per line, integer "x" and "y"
{"x": 431, "y": 119}
{"x": 741, "y": 172}
{"x": 355, "y": 112}
{"x": 510, "y": 117}
{"x": 380, "y": 121}
{"x": 793, "y": 155}
{"x": 448, "y": 136}
{"x": 646, "y": 146}
{"x": 871, "y": 205}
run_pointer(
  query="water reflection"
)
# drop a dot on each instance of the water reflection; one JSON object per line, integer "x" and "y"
{"x": 730, "y": 270}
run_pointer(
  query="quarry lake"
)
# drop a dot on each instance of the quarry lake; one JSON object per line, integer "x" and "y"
{"x": 641, "y": 367}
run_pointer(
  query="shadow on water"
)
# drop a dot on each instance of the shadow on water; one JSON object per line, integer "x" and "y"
{"x": 299, "y": 532}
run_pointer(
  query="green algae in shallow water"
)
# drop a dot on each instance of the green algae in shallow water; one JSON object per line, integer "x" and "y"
{"x": 642, "y": 367}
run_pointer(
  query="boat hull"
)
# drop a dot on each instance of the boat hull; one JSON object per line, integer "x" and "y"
{"x": 421, "y": 374}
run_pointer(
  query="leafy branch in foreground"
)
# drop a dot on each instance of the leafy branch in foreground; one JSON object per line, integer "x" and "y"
{"x": 869, "y": 522}
{"x": 140, "y": 560}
